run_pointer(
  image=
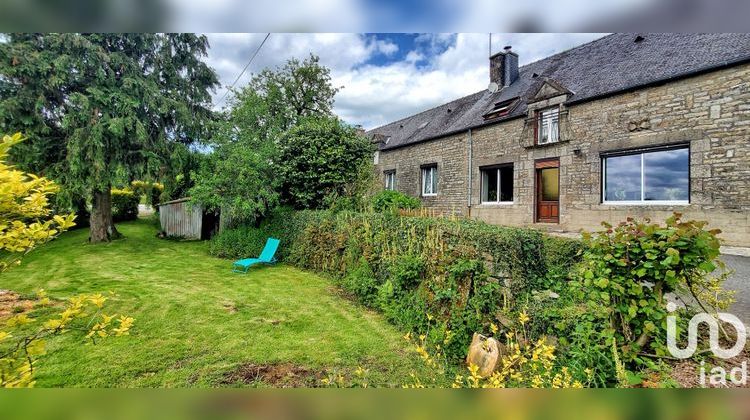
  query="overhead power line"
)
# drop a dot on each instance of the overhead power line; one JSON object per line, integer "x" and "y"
{"x": 257, "y": 50}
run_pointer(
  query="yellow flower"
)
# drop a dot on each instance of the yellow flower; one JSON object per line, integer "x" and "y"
{"x": 493, "y": 328}
{"x": 97, "y": 300}
{"x": 523, "y": 318}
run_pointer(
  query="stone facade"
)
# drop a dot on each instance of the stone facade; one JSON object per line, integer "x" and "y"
{"x": 709, "y": 112}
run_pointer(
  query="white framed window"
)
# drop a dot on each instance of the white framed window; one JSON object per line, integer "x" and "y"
{"x": 548, "y": 127}
{"x": 647, "y": 177}
{"x": 429, "y": 180}
{"x": 390, "y": 180}
{"x": 497, "y": 184}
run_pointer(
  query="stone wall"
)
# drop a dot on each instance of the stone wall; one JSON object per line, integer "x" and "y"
{"x": 710, "y": 112}
{"x": 451, "y": 156}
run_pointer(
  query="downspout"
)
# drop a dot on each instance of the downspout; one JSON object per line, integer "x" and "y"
{"x": 470, "y": 173}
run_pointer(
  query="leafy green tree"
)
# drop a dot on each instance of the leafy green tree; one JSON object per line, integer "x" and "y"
{"x": 238, "y": 177}
{"x": 279, "y": 98}
{"x": 103, "y": 109}
{"x": 241, "y": 174}
{"x": 319, "y": 159}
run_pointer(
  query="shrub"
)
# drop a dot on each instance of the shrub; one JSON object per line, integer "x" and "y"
{"x": 318, "y": 159}
{"x": 621, "y": 282}
{"x": 244, "y": 241}
{"x": 388, "y": 200}
{"x": 124, "y": 205}
{"x": 417, "y": 270}
{"x": 523, "y": 364}
{"x": 362, "y": 283}
{"x": 458, "y": 271}
{"x": 559, "y": 255}
{"x": 26, "y": 223}
{"x": 150, "y": 190}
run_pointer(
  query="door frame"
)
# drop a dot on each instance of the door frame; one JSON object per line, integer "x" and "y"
{"x": 540, "y": 164}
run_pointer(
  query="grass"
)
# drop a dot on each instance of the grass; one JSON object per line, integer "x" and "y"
{"x": 196, "y": 321}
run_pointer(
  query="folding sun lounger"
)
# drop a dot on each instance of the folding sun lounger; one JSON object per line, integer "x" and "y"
{"x": 266, "y": 257}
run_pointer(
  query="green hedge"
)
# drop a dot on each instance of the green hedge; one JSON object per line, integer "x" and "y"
{"x": 387, "y": 200}
{"x": 458, "y": 271}
{"x": 248, "y": 241}
{"x": 124, "y": 205}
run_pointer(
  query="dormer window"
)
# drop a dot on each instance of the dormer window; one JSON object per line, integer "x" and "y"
{"x": 501, "y": 109}
{"x": 548, "y": 127}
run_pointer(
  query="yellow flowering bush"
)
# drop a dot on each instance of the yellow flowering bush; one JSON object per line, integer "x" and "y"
{"x": 530, "y": 366}
{"x": 340, "y": 379}
{"x": 25, "y": 223}
{"x": 523, "y": 364}
{"x": 23, "y": 338}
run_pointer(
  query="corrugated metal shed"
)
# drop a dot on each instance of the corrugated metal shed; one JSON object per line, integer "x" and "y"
{"x": 181, "y": 218}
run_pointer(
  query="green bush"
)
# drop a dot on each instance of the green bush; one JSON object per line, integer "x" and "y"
{"x": 150, "y": 190}
{"x": 388, "y": 200}
{"x": 246, "y": 241}
{"x": 560, "y": 254}
{"x": 124, "y": 205}
{"x": 361, "y": 282}
{"x": 457, "y": 272}
{"x": 619, "y": 287}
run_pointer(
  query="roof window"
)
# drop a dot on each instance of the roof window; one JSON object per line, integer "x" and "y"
{"x": 501, "y": 109}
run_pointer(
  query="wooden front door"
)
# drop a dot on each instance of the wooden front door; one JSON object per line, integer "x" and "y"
{"x": 548, "y": 191}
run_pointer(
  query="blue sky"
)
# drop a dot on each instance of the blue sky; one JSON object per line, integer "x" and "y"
{"x": 403, "y": 44}
{"x": 385, "y": 77}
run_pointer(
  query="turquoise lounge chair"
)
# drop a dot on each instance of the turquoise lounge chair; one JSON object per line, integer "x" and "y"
{"x": 266, "y": 257}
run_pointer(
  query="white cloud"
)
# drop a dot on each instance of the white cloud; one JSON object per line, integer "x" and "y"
{"x": 385, "y": 47}
{"x": 429, "y": 75}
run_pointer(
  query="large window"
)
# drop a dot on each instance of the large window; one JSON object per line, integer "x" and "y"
{"x": 429, "y": 180}
{"x": 497, "y": 184}
{"x": 390, "y": 180}
{"x": 548, "y": 128}
{"x": 661, "y": 176}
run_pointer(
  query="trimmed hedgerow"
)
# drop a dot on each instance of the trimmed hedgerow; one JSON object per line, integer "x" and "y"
{"x": 416, "y": 270}
{"x": 124, "y": 205}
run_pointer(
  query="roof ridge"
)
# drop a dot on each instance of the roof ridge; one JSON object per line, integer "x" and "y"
{"x": 465, "y": 96}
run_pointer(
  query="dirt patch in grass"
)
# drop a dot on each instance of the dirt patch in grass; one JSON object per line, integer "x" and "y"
{"x": 278, "y": 375}
{"x": 230, "y": 307}
{"x": 11, "y": 303}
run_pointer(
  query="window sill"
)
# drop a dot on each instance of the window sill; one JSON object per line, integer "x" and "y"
{"x": 646, "y": 203}
{"x": 536, "y": 145}
{"x": 496, "y": 204}
{"x": 429, "y": 195}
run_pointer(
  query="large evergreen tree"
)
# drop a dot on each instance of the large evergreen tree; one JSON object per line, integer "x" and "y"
{"x": 103, "y": 109}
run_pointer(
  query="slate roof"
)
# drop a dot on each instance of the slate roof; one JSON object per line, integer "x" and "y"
{"x": 612, "y": 64}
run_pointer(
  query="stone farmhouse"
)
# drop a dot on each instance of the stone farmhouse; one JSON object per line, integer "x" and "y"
{"x": 627, "y": 125}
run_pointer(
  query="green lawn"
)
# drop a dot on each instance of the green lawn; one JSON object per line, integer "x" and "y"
{"x": 196, "y": 321}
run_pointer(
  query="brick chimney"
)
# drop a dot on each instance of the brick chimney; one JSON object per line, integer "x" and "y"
{"x": 504, "y": 67}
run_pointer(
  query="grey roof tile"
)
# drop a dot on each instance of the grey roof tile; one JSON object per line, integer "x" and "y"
{"x": 601, "y": 67}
